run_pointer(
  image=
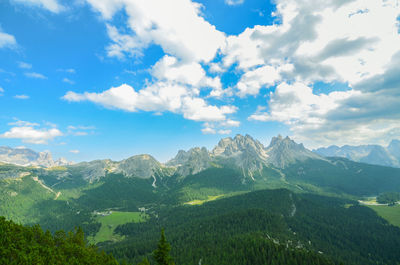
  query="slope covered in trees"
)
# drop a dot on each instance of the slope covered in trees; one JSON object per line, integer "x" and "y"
{"x": 31, "y": 245}
{"x": 270, "y": 221}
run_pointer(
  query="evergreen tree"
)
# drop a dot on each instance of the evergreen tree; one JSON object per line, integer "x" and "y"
{"x": 145, "y": 261}
{"x": 161, "y": 254}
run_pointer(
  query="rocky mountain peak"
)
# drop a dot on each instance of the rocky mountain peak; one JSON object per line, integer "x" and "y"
{"x": 238, "y": 145}
{"x": 141, "y": 166}
{"x": 284, "y": 151}
{"x": 192, "y": 161}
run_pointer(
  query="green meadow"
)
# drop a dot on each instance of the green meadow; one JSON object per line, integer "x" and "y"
{"x": 390, "y": 213}
{"x": 111, "y": 221}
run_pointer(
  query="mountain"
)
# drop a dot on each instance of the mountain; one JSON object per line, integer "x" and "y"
{"x": 27, "y": 157}
{"x": 242, "y": 152}
{"x": 371, "y": 154}
{"x": 284, "y": 151}
{"x": 190, "y": 162}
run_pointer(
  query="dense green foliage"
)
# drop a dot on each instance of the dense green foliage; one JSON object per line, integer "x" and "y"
{"x": 30, "y": 245}
{"x": 301, "y": 224}
{"x": 161, "y": 254}
{"x": 257, "y": 227}
{"x": 343, "y": 176}
{"x": 388, "y": 197}
{"x": 126, "y": 194}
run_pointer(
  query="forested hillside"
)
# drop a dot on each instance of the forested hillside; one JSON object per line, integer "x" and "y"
{"x": 219, "y": 232}
{"x": 31, "y": 245}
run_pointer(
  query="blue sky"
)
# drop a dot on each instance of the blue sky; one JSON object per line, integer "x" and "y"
{"x": 113, "y": 78}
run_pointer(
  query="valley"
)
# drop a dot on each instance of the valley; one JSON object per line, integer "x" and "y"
{"x": 281, "y": 197}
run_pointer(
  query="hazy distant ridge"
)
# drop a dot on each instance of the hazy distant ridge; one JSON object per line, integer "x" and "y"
{"x": 370, "y": 154}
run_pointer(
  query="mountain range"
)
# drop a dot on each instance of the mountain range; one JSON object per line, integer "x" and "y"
{"x": 26, "y": 157}
{"x": 282, "y": 192}
{"x": 240, "y": 163}
{"x": 370, "y": 154}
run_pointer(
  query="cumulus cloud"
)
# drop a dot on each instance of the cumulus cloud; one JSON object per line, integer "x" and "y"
{"x": 352, "y": 42}
{"x": 322, "y": 40}
{"x": 184, "y": 33}
{"x": 35, "y": 75}
{"x": 7, "y": 40}
{"x": 348, "y": 42}
{"x": 50, "y": 5}
{"x": 208, "y": 130}
{"x": 29, "y": 133}
{"x": 158, "y": 97}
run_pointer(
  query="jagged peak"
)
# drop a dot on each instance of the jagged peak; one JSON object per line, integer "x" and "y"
{"x": 228, "y": 146}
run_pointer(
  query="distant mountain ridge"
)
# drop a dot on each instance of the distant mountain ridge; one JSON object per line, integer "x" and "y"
{"x": 243, "y": 153}
{"x": 27, "y": 157}
{"x": 370, "y": 154}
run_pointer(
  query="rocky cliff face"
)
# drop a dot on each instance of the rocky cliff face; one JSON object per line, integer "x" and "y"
{"x": 140, "y": 166}
{"x": 191, "y": 162}
{"x": 243, "y": 152}
{"x": 284, "y": 151}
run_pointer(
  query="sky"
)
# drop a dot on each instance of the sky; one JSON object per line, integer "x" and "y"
{"x": 95, "y": 79}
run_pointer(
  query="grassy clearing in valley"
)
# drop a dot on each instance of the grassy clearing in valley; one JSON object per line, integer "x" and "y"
{"x": 390, "y": 213}
{"x": 111, "y": 221}
{"x": 200, "y": 202}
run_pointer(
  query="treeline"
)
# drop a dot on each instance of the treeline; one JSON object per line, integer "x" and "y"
{"x": 389, "y": 197}
{"x": 31, "y": 245}
{"x": 246, "y": 229}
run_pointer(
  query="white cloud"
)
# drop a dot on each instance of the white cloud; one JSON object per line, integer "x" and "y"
{"x": 350, "y": 42}
{"x": 234, "y": 2}
{"x": 188, "y": 74}
{"x": 161, "y": 96}
{"x": 21, "y": 96}
{"x": 24, "y": 65}
{"x": 1, "y": 91}
{"x": 177, "y": 26}
{"x": 7, "y": 40}
{"x": 321, "y": 40}
{"x": 29, "y": 134}
{"x": 297, "y": 104}
{"x": 35, "y": 75}
{"x": 230, "y": 123}
{"x": 74, "y": 151}
{"x": 208, "y": 130}
{"x": 253, "y": 80}
{"x": 51, "y": 5}
{"x": 69, "y": 81}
